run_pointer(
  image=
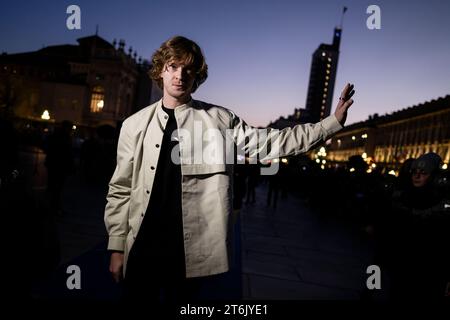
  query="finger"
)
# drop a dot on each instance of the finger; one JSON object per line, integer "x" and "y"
{"x": 348, "y": 88}
{"x": 350, "y": 94}
{"x": 116, "y": 276}
{"x": 348, "y": 103}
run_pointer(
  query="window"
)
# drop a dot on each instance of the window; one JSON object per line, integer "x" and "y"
{"x": 97, "y": 99}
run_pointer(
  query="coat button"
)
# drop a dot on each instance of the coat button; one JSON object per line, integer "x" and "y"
{"x": 142, "y": 214}
{"x": 152, "y": 167}
{"x": 147, "y": 191}
{"x": 166, "y": 117}
{"x": 157, "y": 145}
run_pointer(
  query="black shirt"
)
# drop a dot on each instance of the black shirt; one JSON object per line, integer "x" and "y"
{"x": 159, "y": 245}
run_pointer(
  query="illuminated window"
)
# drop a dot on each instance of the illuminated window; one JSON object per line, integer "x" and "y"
{"x": 327, "y": 78}
{"x": 328, "y": 65}
{"x": 325, "y": 89}
{"x": 329, "y": 59}
{"x": 323, "y": 54}
{"x": 97, "y": 99}
{"x": 326, "y": 83}
{"x": 328, "y": 72}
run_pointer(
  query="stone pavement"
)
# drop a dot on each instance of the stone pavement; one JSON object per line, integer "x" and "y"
{"x": 290, "y": 253}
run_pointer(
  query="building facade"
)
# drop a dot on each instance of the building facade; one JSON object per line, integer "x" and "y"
{"x": 393, "y": 138}
{"x": 91, "y": 84}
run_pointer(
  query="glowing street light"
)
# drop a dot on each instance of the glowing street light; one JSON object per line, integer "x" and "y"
{"x": 45, "y": 115}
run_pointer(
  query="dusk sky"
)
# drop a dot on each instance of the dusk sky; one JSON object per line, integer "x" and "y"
{"x": 259, "y": 51}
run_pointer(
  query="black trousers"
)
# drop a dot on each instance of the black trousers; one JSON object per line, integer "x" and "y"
{"x": 156, "y": 276}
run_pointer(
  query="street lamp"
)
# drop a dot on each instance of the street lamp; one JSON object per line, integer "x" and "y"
{"x": 45, "y": 115}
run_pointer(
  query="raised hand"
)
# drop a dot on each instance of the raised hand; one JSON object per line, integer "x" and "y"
{"x": 344, "y": 103}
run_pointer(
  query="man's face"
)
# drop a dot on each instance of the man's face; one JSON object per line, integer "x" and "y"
{"x": 178, "y": 79}
{"x": 419, "y": 178}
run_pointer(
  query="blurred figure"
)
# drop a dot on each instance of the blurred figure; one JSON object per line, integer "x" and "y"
{"x": 274, "y": 187}
{"x": 252, "y": 181}
{"x": 98, "y": 155}
{"x": 59, "y": 163}
{"x": 239, "y": 185}
{"x": 358, "y": 191}
{"x": 419, "y": 257}
{"x": 382, "y": 225}
{"x": 404, "y": 175}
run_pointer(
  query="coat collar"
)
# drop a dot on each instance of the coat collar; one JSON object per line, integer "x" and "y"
{"x": 162, "y": 114}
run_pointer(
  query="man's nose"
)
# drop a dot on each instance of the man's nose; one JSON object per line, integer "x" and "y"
{"x": 179, "y": 73}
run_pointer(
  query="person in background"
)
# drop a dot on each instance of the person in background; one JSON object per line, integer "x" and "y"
{"x": 419, "y": 258}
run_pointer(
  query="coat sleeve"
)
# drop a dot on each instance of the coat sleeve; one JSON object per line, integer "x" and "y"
{"x": 118, "y": 198}
{"x": 268, "y": 143}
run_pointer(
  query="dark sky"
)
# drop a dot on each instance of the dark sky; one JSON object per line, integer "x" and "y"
{"x": 259, "y": 51}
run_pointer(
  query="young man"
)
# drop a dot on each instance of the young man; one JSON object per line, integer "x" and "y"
{"x": 170, "y": 196}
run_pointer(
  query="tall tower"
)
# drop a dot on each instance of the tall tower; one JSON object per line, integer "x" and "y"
{"x": 322, "y": 78}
